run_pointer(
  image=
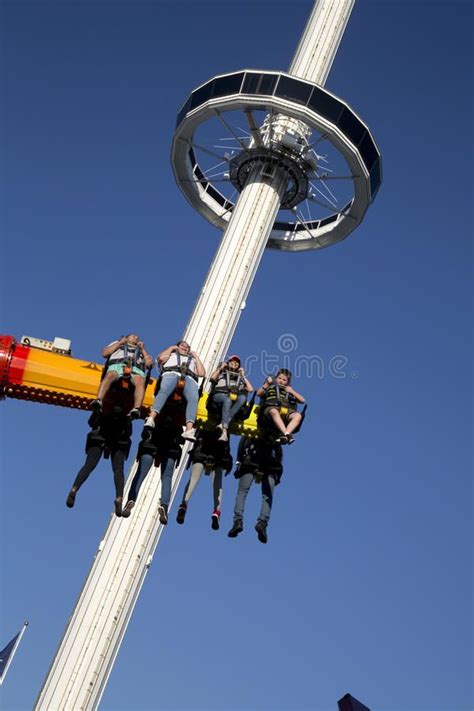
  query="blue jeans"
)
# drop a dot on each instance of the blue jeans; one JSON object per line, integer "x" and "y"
{"x": 229, "y": 408}
{"x": 144, "y": 466}
{"x": 167, "y": 387}
{"x": 245, "y": 482}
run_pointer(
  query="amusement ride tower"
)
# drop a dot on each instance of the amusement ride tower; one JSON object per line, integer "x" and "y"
{"x": 274, "y": 167}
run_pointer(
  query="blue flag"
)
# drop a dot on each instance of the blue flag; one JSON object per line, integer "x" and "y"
{"x": 6, "y": 654}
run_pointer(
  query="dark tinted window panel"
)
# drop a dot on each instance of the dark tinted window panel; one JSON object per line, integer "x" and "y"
{"x": 351, "y": 126}
{"x": 201, "y": 95}
{"x": 216, "y": 195}
{"x": 326, "y": 105}
{"x": 183, "y": 112}
{"x": 328, "y": 220}
{"x": 199, "y": 175}
{"x": 228, "y": 85}
{"x": 251, "y": 83}
{"x": 375, "y": 178}
{"x": 368, "y": 151}
{"x": 267, "y": 83}
{"x": 290, "y": 226}
{"x": 307, "y": 226}
{"x": 293, "y": 89}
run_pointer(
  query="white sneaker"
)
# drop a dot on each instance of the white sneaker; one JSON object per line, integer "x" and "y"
{"x": 149, "y": 422}
{"x": 224, "y": 436}
{"x": 190, "y": 435}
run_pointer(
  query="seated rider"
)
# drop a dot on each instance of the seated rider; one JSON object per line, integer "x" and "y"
{"x": 230, "y": 388}
{"x": 210, "y": 457}
{"x": 279, "y": 404}
{"x": 110, "y": 435}
{"x": 126, "y": 351}
{"x": 259, "y": 462}
{"x": 164, "y": 450}
{"x": 178, "y": 362}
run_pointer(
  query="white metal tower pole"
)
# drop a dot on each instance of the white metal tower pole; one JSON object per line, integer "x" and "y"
{"x": 320, "y": 40}
{"x": 85, "y": 657}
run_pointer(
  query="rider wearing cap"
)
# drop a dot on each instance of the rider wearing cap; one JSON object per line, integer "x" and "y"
{"x": 230, "y": 388}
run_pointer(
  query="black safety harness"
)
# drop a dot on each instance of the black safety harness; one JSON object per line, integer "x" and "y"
{"x": 181, "y": 367}
{"x": 132, "y": 357}
{"x": 110, "y": 432}
{"x": 277, "y": 395}
{"x": 234, "y": 385}
{"x": 260, "y": 459}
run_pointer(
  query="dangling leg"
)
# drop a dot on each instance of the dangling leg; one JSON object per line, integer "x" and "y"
{"x": 191, "y": 393}
{"x": 245, "y": 482}
{"x": 105, "y": 384}
{"x": 293, "y": 421}
{"x": 275, "y": 416}
{"x": 222, "y": 401}
{"x": 268, "y": 485}
{"x": 236, "y": 406}
{"x": 216, "y": 481}
{"x": 118, "y": 461}
{"x": 138, "y": 395}
{"x": 144, "y": 466}
{"x": 167, "y": 469}
{"x": 92, "y": 459}
{"x": 196, "y": 474}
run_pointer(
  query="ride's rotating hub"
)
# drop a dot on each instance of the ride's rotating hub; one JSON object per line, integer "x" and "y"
{"x": 269, "y": 161}
{"x": 279, "y": 124}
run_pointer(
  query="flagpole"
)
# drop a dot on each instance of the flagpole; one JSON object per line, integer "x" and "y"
{"x": 15, "y": 647}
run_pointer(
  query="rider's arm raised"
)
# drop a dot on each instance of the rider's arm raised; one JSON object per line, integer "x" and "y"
{"x": 112, "y": 347}
{"x": 164, "y": 355}
{"x": 296, "y": 395}
{"x": 200, "y": 369}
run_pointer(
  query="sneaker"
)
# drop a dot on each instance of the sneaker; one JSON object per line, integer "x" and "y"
{"x": 181, "y": 513}
{"x": 127, "y": 510}
{"x": 149, "y": 422}
{"x": 163, "y": 514}
{"x": 282, "y": 439}
{"x": 96, "y": 405}
{"x": 189, "y": 435}
{"x": 215, "y": 518}
{"x": 261, "y": 528}
{"x": 237, "y": 528}
{"x": 135, "y": 413}
{"x": 118, "y": 506}
{"x": 219, "y": 427}
{"x": 71, "y": 498}
{"x": 224, "y": 436}
{"x": 289, "y": 438}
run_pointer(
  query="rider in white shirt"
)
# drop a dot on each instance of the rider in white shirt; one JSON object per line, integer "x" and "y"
{"x": 176, "y": 362}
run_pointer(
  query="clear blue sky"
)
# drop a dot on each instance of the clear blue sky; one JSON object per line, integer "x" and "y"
{"x": 365, "y": 585}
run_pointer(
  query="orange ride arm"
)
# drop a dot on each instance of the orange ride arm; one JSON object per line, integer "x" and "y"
{"x": 29, "y": 373}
